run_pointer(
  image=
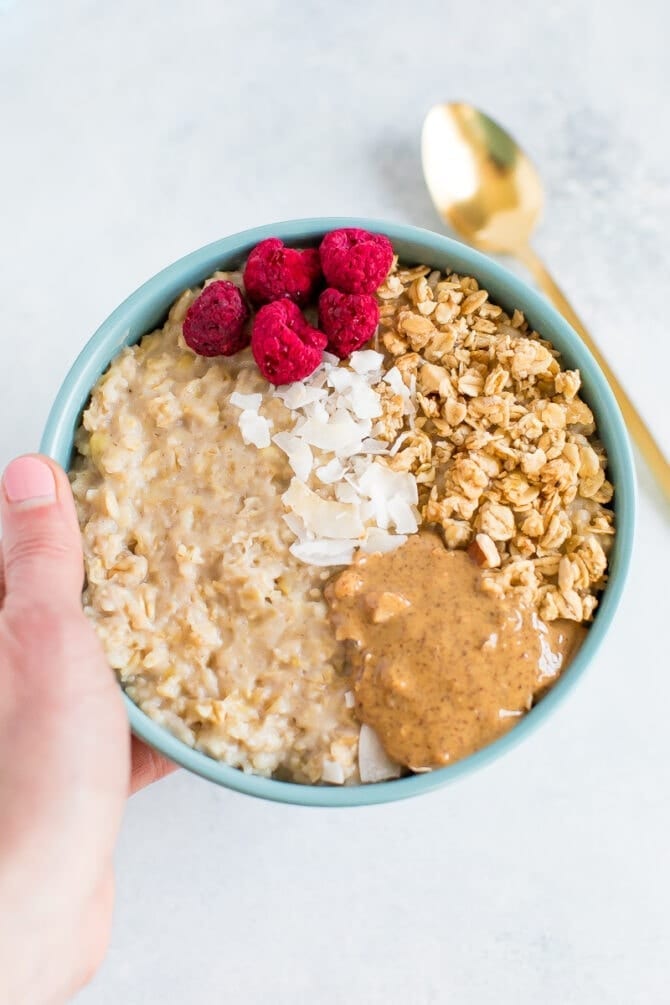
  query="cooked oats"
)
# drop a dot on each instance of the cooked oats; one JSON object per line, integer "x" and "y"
{"x": 215, "y": 629}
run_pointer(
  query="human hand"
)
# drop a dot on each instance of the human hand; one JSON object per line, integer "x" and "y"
{"x": 65, "y": 751}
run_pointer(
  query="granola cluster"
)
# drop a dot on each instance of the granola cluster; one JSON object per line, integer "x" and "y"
{"x": 502, "y": 446}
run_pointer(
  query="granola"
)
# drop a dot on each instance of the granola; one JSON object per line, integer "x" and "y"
{"x": 502, "y": 447}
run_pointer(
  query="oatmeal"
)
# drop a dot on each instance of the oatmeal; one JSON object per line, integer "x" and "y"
{"x": 216, "y": 630}
{"x": 216, "y": 506}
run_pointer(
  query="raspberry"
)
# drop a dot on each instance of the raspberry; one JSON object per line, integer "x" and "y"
{"x": 215, "y": 322}
{"x": 349, "y": 320}
{"x": 285, "y": 346}
{"x": 355, "y": 261}
{"x": 275, "y": 272}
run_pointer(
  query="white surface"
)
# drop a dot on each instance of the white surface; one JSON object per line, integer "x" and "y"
{"x": 134, "y": 132}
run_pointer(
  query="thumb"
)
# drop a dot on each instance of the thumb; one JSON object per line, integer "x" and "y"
{"x": 41, "y": 543}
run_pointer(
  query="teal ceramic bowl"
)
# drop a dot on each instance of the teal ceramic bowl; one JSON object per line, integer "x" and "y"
{"x": 145, "y": 309}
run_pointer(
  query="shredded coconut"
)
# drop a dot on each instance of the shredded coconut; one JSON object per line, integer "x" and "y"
{"x": 248, "y": 402}
{"x": 255, "y": 428}
{"x": 342, "y": 497}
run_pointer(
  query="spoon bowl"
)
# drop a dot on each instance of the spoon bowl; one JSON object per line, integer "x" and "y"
{"x": 480, "y": 180}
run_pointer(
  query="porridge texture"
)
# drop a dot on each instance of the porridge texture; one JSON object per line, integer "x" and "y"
{"x": 216, "y": 509}
{"x": 215, "y": 629}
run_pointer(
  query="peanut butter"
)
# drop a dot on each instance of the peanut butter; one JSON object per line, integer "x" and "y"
{"x": 439, "y": 667}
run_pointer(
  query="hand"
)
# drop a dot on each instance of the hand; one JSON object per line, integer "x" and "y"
{"x": 65, "y": 751}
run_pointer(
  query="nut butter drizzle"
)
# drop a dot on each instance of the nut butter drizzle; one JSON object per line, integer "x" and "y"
{"x": 439, "y": 667}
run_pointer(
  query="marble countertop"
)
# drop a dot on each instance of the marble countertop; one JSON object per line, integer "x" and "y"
{"x": 134, "y": 132}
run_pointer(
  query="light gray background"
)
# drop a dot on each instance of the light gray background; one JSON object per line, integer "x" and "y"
{"x": 132, "y": 132}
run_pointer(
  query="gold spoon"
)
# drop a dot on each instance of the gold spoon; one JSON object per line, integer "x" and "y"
{"x": 485, "y": 187}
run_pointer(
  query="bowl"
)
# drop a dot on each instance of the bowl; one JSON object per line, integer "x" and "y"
{"x": 146, "y": 309}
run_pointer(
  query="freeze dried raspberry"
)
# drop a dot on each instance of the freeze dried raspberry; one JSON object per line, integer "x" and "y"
{"x": 215, "y": 322}
{"x": 355, "y": 261}
{"x": 275, "y": 272}
{"x": 349, "y": 320}
{"x": 284, "y": 345}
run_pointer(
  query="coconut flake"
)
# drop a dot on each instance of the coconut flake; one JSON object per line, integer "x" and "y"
{"x": 402, "y": 516}
{"x": 347, "y": 493}
{"x": 408, "y": 394}
{"x": 255, "y": 428}
{"x": 372, "y": 446}
{"x": 332, "y": 772}
{"x": 365, "y": 402}
{"x": 298, "y": 452}
{"x": 378, "y": 541}
{"x": 381, "y": 485}
{"x": 393, "y": 378}
{"x": 324, "y": 552}
{"x": 382, "y": 480}
{"x": 374, "y": 764}
{"x": 297, "y": 526}
{"x": 368, "y": 512}
{"x": 356, "y": 394}
{"x": 249, "y": 402}
{"x": 366, "y": 361}
{"x": 299, "y": 394}
{"x": 331, "y": 472}
{"x": 341, "y": 378}
{"x": 326, "y": 518}
{"x": 316, "y": 410}
{"x": 339, "y": 435}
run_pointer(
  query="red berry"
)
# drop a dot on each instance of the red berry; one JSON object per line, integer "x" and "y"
{"x": 349, "y": 320}
{"x": 285, "y": 346}
{"x": 215, "y": 322}
{"x": 275, "y": 272}
{"x": 355, "y": 261}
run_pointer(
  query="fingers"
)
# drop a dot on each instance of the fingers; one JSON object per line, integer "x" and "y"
{"x": 43, "y": 567}
{"x": 146, "y": 766}
{"x": 41, "y": 541}
{"x": 2, "y": 578}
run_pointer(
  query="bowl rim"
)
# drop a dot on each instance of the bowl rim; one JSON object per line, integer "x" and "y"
{"x": 112, "y": 334}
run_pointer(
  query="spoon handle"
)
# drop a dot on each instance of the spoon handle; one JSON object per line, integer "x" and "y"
{"x": 646, "y": 443}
